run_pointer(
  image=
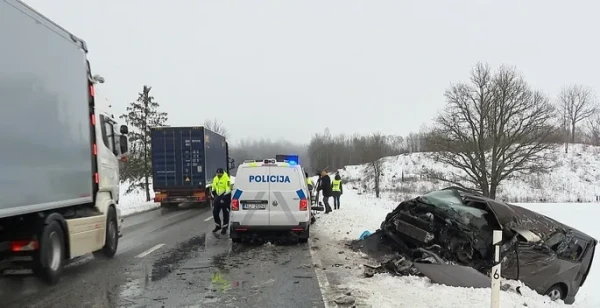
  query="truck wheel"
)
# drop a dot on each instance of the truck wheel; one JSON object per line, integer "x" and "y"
{"x": 112, "y": 236}
{"x": 49, "y": 262}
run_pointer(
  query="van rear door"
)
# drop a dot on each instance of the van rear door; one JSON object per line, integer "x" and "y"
{"x": 253, "y": 196}
{"x": 288, "y": 195}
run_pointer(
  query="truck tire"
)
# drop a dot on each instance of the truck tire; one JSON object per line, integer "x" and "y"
{"x": 50, "y": 260}
{"x": 112, "y": 236}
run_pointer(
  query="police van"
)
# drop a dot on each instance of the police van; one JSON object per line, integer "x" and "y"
{"x": 270, "y": 198}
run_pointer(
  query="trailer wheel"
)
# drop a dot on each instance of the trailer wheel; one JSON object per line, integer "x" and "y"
{"x": 112, "y": 236}
{"x": 49, "y": 262}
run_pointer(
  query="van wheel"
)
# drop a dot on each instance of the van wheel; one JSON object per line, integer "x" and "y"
{"x": 305, "y": 236}
{"x": 50, "y": 260}
{"x": 112, "y": 236}
{"x": 556, "y": 292}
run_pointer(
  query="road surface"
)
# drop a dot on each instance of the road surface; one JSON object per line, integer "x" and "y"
{"x": 171, "y": 259}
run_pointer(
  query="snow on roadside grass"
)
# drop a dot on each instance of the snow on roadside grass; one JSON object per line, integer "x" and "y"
{"x": 364, "y": 212}
{"x": 135, "y": 202}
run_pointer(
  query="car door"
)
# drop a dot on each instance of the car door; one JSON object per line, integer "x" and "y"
{"x": 252, "y": 192}
{"x": 288, "y": 196}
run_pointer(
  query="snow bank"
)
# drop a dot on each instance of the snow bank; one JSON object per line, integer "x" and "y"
{"x": 364, "y": 212}
{"x": 574, "y": 177}
{"x": 135, "y": 202}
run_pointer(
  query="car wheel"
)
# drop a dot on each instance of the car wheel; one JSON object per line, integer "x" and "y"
{"x": 555, "y": 292}
{"x": 50, "y": 260}
{"x": 112, "y": 236}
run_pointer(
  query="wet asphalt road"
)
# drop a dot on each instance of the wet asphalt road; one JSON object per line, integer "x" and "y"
{"x": 171, "y": 259}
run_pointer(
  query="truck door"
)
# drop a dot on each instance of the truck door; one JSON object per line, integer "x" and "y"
{"x": 288, "y": 196}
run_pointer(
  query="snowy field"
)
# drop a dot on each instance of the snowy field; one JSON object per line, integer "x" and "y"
{"x": 573, "y": 178}
{"x": 364, "y": 212}
{"x": 135, "y": 202}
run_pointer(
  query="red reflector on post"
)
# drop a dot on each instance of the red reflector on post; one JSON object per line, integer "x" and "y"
{"x": 235, "y": 205}
{"x": 304, "y": 205}
{"x": 96, "y": 178}
{"x": 17, "y": 246}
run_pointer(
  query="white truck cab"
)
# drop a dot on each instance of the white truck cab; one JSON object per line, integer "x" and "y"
{"x": 270, "y": 198}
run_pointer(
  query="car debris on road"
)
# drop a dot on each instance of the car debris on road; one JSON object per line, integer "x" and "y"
{"x": 451, "y": 229}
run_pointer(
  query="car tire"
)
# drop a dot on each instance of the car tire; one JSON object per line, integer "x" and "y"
{"x": 556, "y": 292}
{"x": 50, "y": 260}
{"x": 112, "y": 237}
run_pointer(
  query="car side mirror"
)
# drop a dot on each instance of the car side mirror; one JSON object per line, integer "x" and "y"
{"x": 124, "y": 130}
{"x": 123, "y": 144}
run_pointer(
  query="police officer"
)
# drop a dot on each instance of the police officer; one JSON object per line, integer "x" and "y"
{"x": 325, "y": 187}
{"x": 336, "y": 190}
{"x": 221, "y": 191}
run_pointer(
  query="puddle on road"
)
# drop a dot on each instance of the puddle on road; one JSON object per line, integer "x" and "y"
{"x": 173, "y": 258}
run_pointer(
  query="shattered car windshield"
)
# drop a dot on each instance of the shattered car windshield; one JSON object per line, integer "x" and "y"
{"x": 451, "y": 200}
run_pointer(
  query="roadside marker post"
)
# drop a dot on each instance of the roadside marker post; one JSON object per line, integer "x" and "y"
{"x": 496, "y": 270}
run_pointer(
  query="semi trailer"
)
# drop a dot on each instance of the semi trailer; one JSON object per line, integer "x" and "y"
{"x": 184, "y": 162}
{"x": 59, "y": 153}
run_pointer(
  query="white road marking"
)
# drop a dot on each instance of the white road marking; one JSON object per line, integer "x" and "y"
{"x": 321, "y": 275}
{"x": 149, "y": 251}
{"x": 208, "y": 218}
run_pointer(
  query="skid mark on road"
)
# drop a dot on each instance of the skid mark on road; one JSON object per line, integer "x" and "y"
{"x": 172, "y": 259}
{"x": 149, "y": 251}
{"x": 319, "y": 272}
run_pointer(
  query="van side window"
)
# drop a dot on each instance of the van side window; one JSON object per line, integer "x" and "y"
{"x": 108, "y": 136}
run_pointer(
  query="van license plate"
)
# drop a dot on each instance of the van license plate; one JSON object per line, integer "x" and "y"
{"x": 254, "y": 204}
{"x": 247, "y": 206}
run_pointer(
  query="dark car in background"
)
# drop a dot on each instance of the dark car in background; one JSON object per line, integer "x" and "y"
{"x": 454, "y": 226}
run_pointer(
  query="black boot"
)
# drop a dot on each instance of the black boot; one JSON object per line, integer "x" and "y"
{"x": 224, "y": 230}
{"x": 217, "y": 228}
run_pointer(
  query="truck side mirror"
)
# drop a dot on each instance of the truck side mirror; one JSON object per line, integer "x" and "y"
{"x": 124, "y": 130}
{"x": 231, "y": 164}
{"x": 123, "y": 143}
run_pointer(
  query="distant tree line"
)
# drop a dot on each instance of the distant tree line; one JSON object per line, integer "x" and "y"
{"x": 492, "y": 127}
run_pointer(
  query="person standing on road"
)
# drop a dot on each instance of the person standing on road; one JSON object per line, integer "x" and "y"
{"x": 337, "y": 190}
{"x": 221, "y": 191}
{"x": 325, "y": 188}
{"x": 309, "y": 183}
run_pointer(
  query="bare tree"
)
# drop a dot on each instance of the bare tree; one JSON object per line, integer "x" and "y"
{"x": 492, "y": 128}
{"x": 593, "y": 130}
{"x": 216, "y": 126}
{"x": 576, "y": 103}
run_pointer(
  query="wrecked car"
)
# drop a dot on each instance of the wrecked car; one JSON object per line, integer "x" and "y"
{"x": 453, "y": 228}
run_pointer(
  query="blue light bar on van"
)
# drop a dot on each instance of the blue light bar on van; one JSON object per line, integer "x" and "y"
{"x": 290, "y": 159}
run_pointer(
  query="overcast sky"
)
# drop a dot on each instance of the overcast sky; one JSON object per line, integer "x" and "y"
{"x": 290, "y": 68}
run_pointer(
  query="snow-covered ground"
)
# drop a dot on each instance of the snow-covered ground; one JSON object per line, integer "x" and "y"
{"x": 364, "y": 212}
{"x": 135, "y": 202}
{"x": 573, "y": 178}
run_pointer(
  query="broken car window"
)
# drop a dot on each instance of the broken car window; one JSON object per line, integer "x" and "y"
{"x": 572, "y": 249}
{"x": 450, "y": 200}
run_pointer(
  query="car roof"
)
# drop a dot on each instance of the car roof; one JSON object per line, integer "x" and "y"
{"x": 514, "y": 216}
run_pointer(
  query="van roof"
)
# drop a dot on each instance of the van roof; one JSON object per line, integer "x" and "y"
{"x": 266, "y": 163}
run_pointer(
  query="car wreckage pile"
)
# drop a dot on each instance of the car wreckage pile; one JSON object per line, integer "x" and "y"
{"x": 446, "y": 235}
